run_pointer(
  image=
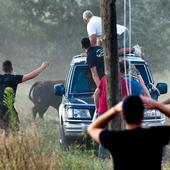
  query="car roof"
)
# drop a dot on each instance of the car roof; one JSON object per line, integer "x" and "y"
{"x": 132, "y": 58}
{"x": 79, "y": 60}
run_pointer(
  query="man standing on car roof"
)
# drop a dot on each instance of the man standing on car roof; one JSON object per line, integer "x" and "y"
{"x": 94, "y": 30}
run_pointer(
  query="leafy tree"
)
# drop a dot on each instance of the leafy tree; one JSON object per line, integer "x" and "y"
{"x": 54, "y": 28}
{"x": 150, "y": 29}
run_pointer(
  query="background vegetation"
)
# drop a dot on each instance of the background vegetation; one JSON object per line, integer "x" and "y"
{"x": 34, "y": 30}
{"x": 37, "y": 147}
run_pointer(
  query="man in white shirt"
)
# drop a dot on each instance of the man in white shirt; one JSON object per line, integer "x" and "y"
{"x": 94, "y": 30}
{"x": 94, "y": 27}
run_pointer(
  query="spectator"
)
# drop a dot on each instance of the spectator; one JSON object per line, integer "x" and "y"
{"x": 94, "y": 30}
{"x": 135, "y": 147}
{"x": 94, "y": 27}
{"x": 8, "y": 79}
{"x": 100, "y": 95}
{"x": 134, "y": 80}
{"x": 100, "y": 100}
{"x": 95, "y": 59}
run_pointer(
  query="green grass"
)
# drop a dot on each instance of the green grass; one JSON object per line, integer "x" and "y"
{"x": 36, "y": 147}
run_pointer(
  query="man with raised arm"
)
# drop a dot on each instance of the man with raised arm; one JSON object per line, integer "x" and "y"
{"x": 10, "y": 80}
{"x": 134, "y": 148}
{"x": 94, "y": 30}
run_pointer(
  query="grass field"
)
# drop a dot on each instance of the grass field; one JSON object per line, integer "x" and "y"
{"x": 36, "y": 147}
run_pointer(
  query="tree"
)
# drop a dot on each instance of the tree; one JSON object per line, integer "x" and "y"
{"x": 108, "y": 13}
{"x": 54, "y": 28}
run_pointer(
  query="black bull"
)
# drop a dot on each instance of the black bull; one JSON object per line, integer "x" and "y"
{"x": 42, "y": 95}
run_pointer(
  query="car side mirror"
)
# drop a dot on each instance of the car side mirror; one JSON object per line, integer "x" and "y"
{"x": 162, "y": 87}
{"x": 59, "y": 89}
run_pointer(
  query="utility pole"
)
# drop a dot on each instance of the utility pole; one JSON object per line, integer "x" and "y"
{"x": 111, "y": 60}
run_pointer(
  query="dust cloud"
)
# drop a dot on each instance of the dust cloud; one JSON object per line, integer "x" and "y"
{"x": 24, "y": 105}
{"x": 163, "y": 77}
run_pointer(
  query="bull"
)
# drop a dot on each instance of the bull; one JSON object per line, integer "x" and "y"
{"x": 42, "y": 96}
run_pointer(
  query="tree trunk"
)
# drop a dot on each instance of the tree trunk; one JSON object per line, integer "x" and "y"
{"x": 111, "y": 60}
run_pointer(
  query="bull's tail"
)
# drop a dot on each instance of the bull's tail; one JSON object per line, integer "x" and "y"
{"x": 32, "y": 88}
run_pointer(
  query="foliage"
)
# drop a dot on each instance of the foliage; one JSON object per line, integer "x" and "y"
{"x": 54, "y": 29}
{"x": 150, "y": 29}
{"x": 9, "y": 97}
{"x": 37, "y": 147}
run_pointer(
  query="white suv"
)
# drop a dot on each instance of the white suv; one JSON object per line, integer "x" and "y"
{"x": 77, "y": 107}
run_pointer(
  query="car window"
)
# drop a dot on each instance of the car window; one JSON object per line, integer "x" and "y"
{"x": 82, "y": 81}
{"x": 144, "y": 73}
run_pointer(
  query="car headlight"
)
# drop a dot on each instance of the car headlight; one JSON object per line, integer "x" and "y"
{"x": 78, "y": 113}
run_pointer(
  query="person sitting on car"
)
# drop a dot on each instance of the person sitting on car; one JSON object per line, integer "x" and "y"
{"x": 131, "y": 80}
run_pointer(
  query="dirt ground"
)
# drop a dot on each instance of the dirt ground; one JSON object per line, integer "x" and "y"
{"x": 24, "y": 105}
{"x": 22, "y": 102}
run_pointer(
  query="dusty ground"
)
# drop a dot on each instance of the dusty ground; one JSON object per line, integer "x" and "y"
{"x": 24, "y": 105}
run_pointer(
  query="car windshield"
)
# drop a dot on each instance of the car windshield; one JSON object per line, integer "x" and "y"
{"x": 144, "y": 73}
{"x": 82, "y": 81}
